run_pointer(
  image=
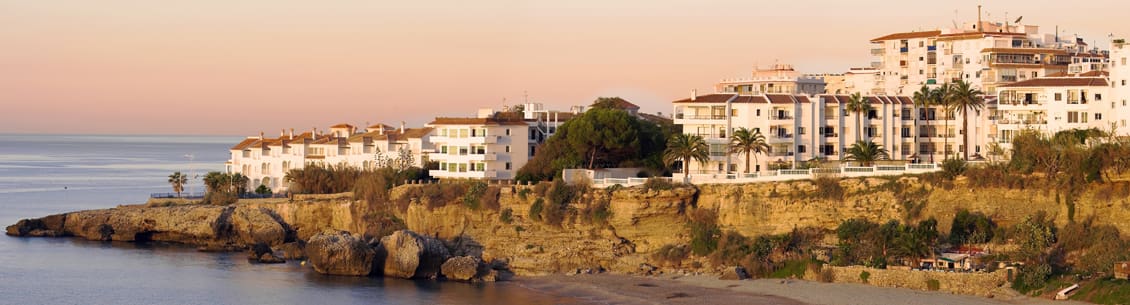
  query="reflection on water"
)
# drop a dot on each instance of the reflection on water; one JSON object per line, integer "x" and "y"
{"x": 33, "y": 173}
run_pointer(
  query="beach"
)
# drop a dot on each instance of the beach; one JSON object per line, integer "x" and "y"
{"x": 702, "y": 289}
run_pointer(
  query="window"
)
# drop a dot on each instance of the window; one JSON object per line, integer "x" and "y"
{"x": 508, "y": 131}
{"x": 800, "y": 130}
{"x": 1058, "y": 96}
{"x": 733, "y": 112}
{"x": 1035, "y": 74}
{"x": 758, "y": 112}
{"x": 1124, "y": 82}
{"x": 801, "y": 149}
{"x": 1098, "y": 96}
{"x": 507, "y": 165}
{"x": 443, "y": 149}
{"x": 1098, "y": 116}
{"x": 507, "y": 148}
{"x": 1072, "y": 117}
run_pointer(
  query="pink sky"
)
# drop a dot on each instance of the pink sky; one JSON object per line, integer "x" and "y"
{"x": 240, "y": 67}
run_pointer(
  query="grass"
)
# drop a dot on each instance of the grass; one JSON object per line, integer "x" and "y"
{"x": 792, "y": 268}
{"x": 1104, "y": 291}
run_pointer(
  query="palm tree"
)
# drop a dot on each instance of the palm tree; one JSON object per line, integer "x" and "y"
{"x": 178, "y": 180}
{"x": 922, "y": 101}
{"x": 745, "y": 142}
{"x": 943, "y": 97}
{"x": 858, "y": 105}
{"x": 966, "y": 99}
{"x": 866, "y": 153}
{"x": 686, "y": 147}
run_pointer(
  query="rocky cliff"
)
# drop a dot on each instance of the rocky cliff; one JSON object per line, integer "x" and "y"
{"x": 640, "y": 221}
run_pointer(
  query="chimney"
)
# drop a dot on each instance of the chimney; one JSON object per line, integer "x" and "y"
{"x": 381, "y": 128}
{"x": 694, "y": 94}
{"x": 260, "y": 135}
{"x": 402, "y": 126}
{"x": 282, "y": 133}
{"x": 292, "y": 133}
{"x": 314, "y": 133}
{"x": 980, "y": 28}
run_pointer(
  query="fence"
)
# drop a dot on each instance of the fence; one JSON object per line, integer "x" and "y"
{"x": 200, "y": 195}
{"x": 800, "y": 174}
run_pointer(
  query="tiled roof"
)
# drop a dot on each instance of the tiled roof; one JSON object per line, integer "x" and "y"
{"x": 908, "y": 35}
{"x": 474, "y": 121}
{"x": 342, "y": 125}
{"x": 780, "y": 98}
{"x": 707, "y": 98}
{"x": 802, "y": 99}
{"x": 244, "y": 144}
{"x": 416, "y": 133}
{"x": 975, "y": 35}
{"x": 1061, "y": 82}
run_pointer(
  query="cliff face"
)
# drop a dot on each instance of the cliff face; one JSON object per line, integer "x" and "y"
{"x": 640, "y": 221}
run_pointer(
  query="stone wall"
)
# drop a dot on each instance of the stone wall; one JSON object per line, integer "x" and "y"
{"x": 978, "y": 283}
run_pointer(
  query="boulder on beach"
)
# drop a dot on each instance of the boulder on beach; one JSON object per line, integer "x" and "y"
{"x": 462, "y": 268}
{"x": 339, "y": 253}
{"x": 257, "y": 225}
{"x": 405, "y": 254}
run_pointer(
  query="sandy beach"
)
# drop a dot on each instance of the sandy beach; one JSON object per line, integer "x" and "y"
{"x": 621, "y": 289}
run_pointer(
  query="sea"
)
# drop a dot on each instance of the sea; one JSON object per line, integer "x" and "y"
{"x": 48, "y": 174}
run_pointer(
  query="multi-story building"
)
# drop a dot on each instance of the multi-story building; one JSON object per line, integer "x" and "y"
{"x": 1119, "y": 76}
{"x": 778, "y": 79}
{"x": 265, "y": 161}
{"x": 1052, "y": 104}
{"x": 480, "y": 148}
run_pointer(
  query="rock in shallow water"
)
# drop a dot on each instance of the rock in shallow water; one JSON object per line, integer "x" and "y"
{"x": 339, "y": 253}
{"x": 405, "y": 254}
{"x": 462, "y": 268}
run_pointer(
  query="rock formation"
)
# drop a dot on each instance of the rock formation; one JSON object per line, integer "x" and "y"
{"x": 462, "y": 268}
{"x": 339, "y": 253}
{"x": 406, "y": 254}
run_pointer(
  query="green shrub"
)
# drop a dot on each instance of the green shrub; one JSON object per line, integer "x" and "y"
{"x": 704, "y": 231}
{"x": 951, "y": 168}
{"x": 670, "y": 255}
{"x": 863, "y": 276}
{"x": 828, "y": 188}
{"x": 536, "y": 209}
{"x": 220, "y": 198}
{"x": 933, "y": 285}
{"x": 506, "y": 216}
{"x": 524, "y": 193}
{"x": 657, "y": 184}
{"x": 1032, "y": 278}
{"x": 475, "y": 191}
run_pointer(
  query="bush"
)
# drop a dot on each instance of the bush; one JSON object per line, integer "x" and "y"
{"x": 828, "y": 188}
{"x": 823, "y": 275}
{"x": 933, "y": 285}
{"x": 670, "y": 255}
{"x": 263, "y": 190}
{"x": 1032, "y": 278}
{"x": 658, "y": 184}
{"x": 704, "y": 231}
{"x": 475, "y": 191}
{"x": 536, "y": 209}
{"x": 506, "y": 216}
{"x": 951, "y": 168}
{"x": 220, "y": 198}
{"x": 971, "y": 228}
{"x": 863, "y": 276}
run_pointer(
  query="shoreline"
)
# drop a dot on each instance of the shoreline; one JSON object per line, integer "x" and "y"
{"x": 704, "y": 289}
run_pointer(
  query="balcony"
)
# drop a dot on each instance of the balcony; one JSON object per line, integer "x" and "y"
{"x": 904, "y": 50}
{"x": 931, "y": 48}
{"x": 831, "y": 135}
{"x": 1022, "y": 121}
{"x": 1008, "y": 78}
{"x": 781, "y": 117}
{"x": 700, "y": 116}
{"x": 878, "y": 51}
{"x": 781, "y": 154}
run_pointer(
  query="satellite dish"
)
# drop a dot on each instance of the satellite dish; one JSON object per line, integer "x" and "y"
{"x": 1018, "y": 19}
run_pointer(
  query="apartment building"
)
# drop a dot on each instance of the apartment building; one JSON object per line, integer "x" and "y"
{"x": 1053, "y": 104}
{"x": 487, "y": 147}
{"x": 1119, "y": 76}
{"x": 777, "y": 79}
{"x": 265, "y": 161}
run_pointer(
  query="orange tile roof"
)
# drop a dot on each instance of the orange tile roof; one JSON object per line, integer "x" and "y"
{"x": 1061, "y": 82}
{"x": 707, "y": 98}
{"x": 244, "y": 144}
{"x": 416, "y": 133}
{"x": 908, "y": 35}
{"x": 780, "y": 99}
{"x": 342, "y": 125}
{"x": 474, "y": 121}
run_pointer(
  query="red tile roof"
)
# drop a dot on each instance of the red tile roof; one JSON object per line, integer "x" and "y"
{"x": 342, "y": 125}
{"x": 244, "y": 144}
{"x": 708, "y": 98}
{"x": 1061, "y": 82}
{"x": 1024, "y": 51}
{"x": 908, "y": 35}
{"x": 780, "y": 99}
{"x": 474, "y": 121}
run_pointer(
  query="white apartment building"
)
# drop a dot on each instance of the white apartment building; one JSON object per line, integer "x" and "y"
{"x": 777, "y": 79}
{"x": 994, "y": 55}
{"x": 799, "y": 128}
{"x": 480, "y": 148}
{"x": 265, "y": 161}
{"x": 1119, "y": 76}
{"x": 1053, "y": 104}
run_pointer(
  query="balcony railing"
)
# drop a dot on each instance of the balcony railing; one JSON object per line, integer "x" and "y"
{"x": 904, "y": 49}
{"x": 782, "y": 117}
{"x": 1022, "y": 122}
{"x": 931, "y": 48}
{"x": 700, "y": 117}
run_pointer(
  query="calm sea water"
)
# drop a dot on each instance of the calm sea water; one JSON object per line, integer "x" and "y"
{"x": 47, "y": 174}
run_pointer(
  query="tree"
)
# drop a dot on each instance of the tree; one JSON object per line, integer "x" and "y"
{"x": 748, "y": 143}
{"x": 942, "y": 97}
{"x": 923, "y": 100}
{"x": 859, "y": 105}
{"x": 178, "y": 180}
{"x": 965, "y": 98}
{"x": 866, "y": 153}
{"x": 685, "y": 147}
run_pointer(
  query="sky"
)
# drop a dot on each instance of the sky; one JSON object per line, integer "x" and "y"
{"x": 229, "y": 67}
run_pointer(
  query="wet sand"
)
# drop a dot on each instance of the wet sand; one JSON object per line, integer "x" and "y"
{"x": 621, "y": 289}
